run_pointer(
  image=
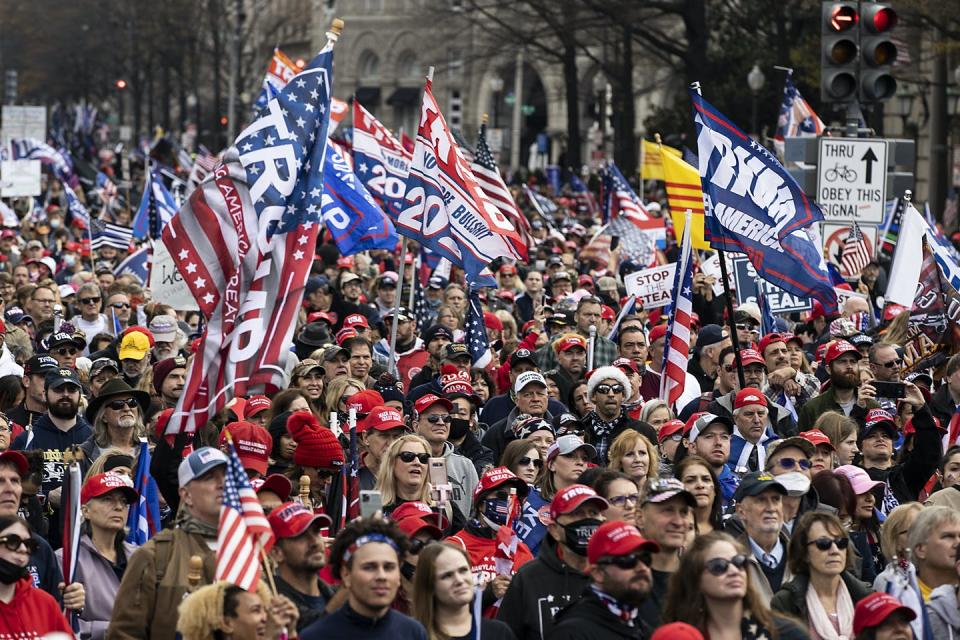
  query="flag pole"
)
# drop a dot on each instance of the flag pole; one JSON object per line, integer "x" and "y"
{"x": 728, "y": 301}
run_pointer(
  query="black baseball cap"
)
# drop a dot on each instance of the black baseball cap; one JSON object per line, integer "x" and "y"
{"x": 40, "y": 366}
{"x": 753, "y": 484}
{"x": 100, "y": 364}
{"x": 522, "y": 355}
{"x": 61, "y": 376}
{"x": 455, "y": 350}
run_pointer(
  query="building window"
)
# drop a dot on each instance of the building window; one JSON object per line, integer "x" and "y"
{"x": 408, "y": 66}
{"x": 455, "y": 64}
{"x": 369, "y": 65}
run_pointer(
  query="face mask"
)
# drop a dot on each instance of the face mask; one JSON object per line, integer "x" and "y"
{"x": 458, "y": 428}
{"x": 10, "y": 573}
{"x": 407, "y": 570}
{"x": 577, "y": 534}
{"x": 69, "y": 260}
{"x": 495, "y": 512}
{"x": 54, "y": 224}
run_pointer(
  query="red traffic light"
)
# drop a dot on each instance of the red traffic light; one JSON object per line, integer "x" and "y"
{"x": 879, "y": 19}
{"x": 843, "y": 17}
{"x": 224, "y": 120}
{"x": 121, "y": 84}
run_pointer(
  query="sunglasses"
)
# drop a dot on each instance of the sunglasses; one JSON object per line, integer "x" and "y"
{"x": 120, "y": 305}
{"x": 526, "y": 462}
{"x": 790, "y": 463}
{"x": 629, "y": 561}
{"x": 621, "y": 501}
{"x": 437, "y": 418}
{"x": 747, "y": 327}
{"x": 12, "y": 542}
{"x": 67, "y": 351}
{"x": 825, "y": 543}
{"x": 89, "y": 300}
{"x": 609, "y": 388}
{"x": 410, "y": 456}
{"x": 893, "y": 364}
{"x": 719, "y": 566}
{"x": 117, "y": 405}
{"x": 417, "y": 545}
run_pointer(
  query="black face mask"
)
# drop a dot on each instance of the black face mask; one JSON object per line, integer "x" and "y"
{"x": 10, "y": 573}
{"x": 407, "y": 570}
{"x": 458, "y": 428}
{"x": 577, "y": 534}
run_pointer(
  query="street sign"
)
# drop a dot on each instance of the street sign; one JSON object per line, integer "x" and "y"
{"x": 834, "y": 237}
{"x": 852, "y": 179}
{"x": 746, "y": 281}
{"x": 653, "y": 287}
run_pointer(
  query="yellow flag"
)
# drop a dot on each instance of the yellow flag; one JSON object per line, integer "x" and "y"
{"x": 684, "y": 192}
{"x": 651, "y": 166}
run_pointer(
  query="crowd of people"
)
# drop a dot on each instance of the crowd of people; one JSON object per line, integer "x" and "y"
{"x": 551, "y": 494}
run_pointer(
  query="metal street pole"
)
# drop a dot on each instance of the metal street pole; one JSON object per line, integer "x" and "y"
{"x": 517, "y": 113}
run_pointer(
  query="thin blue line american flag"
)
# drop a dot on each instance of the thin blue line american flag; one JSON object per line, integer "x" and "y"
{"x": 855, "y": 255}
{"x": 243, "y": 530}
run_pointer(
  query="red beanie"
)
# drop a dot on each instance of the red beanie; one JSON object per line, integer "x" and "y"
{"x": 316, "y": 445}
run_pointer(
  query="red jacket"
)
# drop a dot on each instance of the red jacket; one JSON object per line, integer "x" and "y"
{"x": 31, "y": 614}
{"x": 482, "y": 563}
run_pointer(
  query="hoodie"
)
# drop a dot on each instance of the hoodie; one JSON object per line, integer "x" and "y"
{"x": 31, "y": 613}
{"x": 54, "y": 442}
{"x": 539, "y": 590}
{"x": 944, "y": 613}
{"x": 463, "y": 477}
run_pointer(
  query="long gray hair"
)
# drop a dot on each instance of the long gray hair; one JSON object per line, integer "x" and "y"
{"x": 102, "y": 437}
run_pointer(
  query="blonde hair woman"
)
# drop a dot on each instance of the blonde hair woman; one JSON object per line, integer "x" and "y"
{"x": 634, "y": 455}
{"x": 338, "y": 391}
{"x": 224, "y": 611}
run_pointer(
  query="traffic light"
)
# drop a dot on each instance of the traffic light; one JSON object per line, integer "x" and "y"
{"x": 877, "y": 52}
{"x": 838, "y": 51}
{"x": 121, "y": 84}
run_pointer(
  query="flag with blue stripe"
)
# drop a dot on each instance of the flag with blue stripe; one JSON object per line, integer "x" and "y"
{"x": 157, "y": 208}
{"x": 354, "y": 219}
{"x": 753, "y": 206}
{"x": 108, "y": 234}
{"x": 143, "y": 521}
{"x": 78, "y": 212}
{"x": 136, "y": 264}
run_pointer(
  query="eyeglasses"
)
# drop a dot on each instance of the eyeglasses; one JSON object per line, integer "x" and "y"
{"x": 825, "y": 543}
{"x": 44, "y": 301}
{"x": 719, "y": 566}
{"x": 67, "y": 351}
{"x": 677, "y": 437}
{"x": 13, "y": 542}
{"x": 89, "y": 300}
{"x": 790, "y": 463}
{"x": 621, "y": 501}
{"x": 629, "y": 561}
{"x": 120, "y": 305}
{"x": 117, "y": 405}
{"x": 729, "y": 368}
{"x": 743, "y": 326}
{"x": 436, "y": 418}
{"x": 526, "y": 462}
{"x": 417, "y": 545}
{"x": 889, "y": 365}
{"x": 609, "y": 388}
{"x": 410, "y": 456}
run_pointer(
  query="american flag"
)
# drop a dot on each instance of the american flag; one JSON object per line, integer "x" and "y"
{"x": 143, "y": 522}
{"x": 351, "y": 478}
{"x": 856, "y": 254}
{"x": 420, "y": 307}
{"x": 203, "y": 165}
{"x": 106, "y": 186}
{"x": 619, "y": 199}
{"x": 797, "y": 118}
{"x": 108, "y": 234}
{"x": 477, "y": 343}
{"x": 584, "y": 198}
{"x": 488, "y": 176}
{"x": 244, "y": 530}
{"x": 78, "y": 212}
{"x": 58, "y": 159}
{"x": 677, "y": 343}
{"x": 245, "y": 241}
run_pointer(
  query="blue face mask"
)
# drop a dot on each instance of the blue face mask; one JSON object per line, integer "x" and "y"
{"x": 495, "y": 511}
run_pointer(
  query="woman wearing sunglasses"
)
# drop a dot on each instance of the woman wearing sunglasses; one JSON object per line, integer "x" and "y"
{"x": 621, "y": 492}
{"x": 699, "y": 478}
{"x": 117, "y": 418}
{"x": 864, "y": 521}
{"x": 824, "y": 590}
{"x": 714, "y": 592}
{"x": 25, "y": 611}
{"x": 403, "y": 477}
{"x": 523, "y": 459}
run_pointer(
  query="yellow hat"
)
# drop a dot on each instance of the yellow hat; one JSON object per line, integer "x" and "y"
{"x": 134, "y": 346}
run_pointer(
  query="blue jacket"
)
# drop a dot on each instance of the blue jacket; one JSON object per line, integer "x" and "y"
{"x": 53, "y": 442}
{"x": 347, "y": 624}
{"x": 737, "y": 443}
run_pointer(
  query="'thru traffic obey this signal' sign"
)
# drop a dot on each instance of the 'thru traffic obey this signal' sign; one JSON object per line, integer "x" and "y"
{"x": 852, "y": 179}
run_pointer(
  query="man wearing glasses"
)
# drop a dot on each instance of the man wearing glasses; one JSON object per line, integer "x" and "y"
{"x": 118, "y": 306}
{"x": 41, "y": 303}
{"x": 65, "y": 347}
{"x": 432, "y": 421}
{"x": 88, "y": 318}
{"x": 559, "y": 574}
{"x": 607, "y": 389}
{"x": 620, "y": 582}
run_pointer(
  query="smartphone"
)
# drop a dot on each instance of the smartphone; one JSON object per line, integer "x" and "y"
{"x": 890, "y": 390}
{"x": 370, "y": 502}
{"x": 614, "y": 242}
{"x": 438, "y": 471}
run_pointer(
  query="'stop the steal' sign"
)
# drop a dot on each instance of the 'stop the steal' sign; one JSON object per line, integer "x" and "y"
{"x": 779, "y": 300}
{"x": 852, "y": 179}
{"x": 653, "y": 287}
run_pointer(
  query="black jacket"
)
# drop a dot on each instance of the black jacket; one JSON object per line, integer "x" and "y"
{"x": 538, "y": 591}
{"x": 479, "y": 455}
{"x": 589, "y": 619}
{"x": 791, "y": 599}
{"x": 907, "y": 478}
{"x": 942, "y": 405}
{"x": 310, "y": 612}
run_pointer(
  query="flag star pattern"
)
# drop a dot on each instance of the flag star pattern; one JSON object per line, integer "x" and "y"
{"x": 476, "y": 333}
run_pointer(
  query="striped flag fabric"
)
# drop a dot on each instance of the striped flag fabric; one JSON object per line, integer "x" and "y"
{"x": 157, "y": 208}
{"x": 380, "y": 161}
{"x": 245, "y": 240}
{"x": 797, "y": 118}
{"x": 855, "y": 254}
{"x": 677, "y": 343}
{"x": 58, "y": 160}
{"x": 280, "y": 71}
{"x": 682, "y": 182}
{"x": 108, "y": 234}
{"x": 72, "y": 482}
{"x": 143, "y": 522}
{"x": 477, "y": 343}
{"x": 244, "y": 531}
{"x": 78, "y": 213}
{"x": 619, "y": 199}
{"x": 491, "y": 183}
{"x": 651, "y": 159}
